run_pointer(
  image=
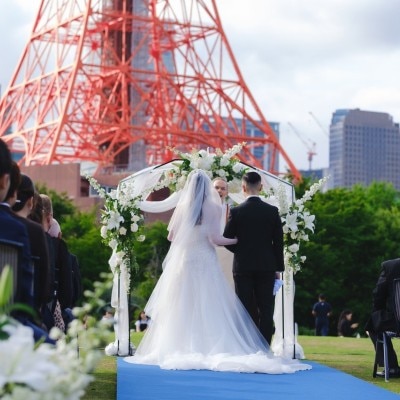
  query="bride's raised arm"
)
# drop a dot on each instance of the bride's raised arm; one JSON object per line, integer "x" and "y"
{"x": 212, "y": 217}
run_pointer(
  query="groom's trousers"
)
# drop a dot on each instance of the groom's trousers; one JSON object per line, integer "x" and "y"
{"x": 255, "y": 291}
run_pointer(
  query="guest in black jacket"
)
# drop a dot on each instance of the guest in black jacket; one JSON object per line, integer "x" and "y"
{"x": 38, "y": 242}
{"x": 13, "y": 230}
{"x": 346, "y": 327}
{"x": 382, "y": 317}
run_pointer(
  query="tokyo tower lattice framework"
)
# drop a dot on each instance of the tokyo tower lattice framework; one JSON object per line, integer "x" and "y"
{"x": 122, "y": 81}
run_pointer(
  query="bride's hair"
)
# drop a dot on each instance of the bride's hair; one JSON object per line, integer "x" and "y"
{"x": 190, "y": 211}
{"x": 199, "y": 196}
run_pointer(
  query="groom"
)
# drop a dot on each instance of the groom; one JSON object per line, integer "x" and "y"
{"x": 258, "y": 255}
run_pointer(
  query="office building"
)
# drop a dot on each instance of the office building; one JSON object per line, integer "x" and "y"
{"x": 364, "y": 147}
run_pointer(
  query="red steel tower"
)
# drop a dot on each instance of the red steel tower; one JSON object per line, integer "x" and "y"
{"x": 122, "y": 81}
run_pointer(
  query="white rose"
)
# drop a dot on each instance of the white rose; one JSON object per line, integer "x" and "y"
{"x": 113, "y": 194}
{"x": 134, "y": 227}
{"x": 103, "y": 231}
{"x": 294, "y": 248}
{"x": 122, "y": 231}
{"x": 135, "y": 218}
{"x": 113, "y": 243}
{"x": 237, "y": 168}
{"x": 203, "y": 153}
{"x": 221, "y": 173}
{"x": 206, "y": 163}
{"x": 141, "y": 238}
{"x": 224, "y": 161}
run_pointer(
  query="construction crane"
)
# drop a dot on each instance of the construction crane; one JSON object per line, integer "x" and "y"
{"x": 311, "y": 147}
{"x": 319, "y": 124}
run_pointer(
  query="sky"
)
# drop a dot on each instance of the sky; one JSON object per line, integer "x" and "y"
{"x": 301, "y": 59}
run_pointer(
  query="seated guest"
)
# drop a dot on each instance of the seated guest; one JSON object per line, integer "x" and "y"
{"x": 142, "y": 323}
{"x": 34, "y": 232}
{"x": 38, "y": 242}
{"x": 5, "y": 169}
{"x": 66, "y": 267}
{"x": 346, "y": 327}
{"x": 36, "y": 213}
{"x": 11, "y": 229}
{"x": 382, "y": 317}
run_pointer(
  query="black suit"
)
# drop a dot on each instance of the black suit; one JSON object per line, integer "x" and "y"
{"x": 11, "y": 229}
{"x": 39, "y": 249}
{"x": 382, "y": 297}
{"x": 257, "y": 256}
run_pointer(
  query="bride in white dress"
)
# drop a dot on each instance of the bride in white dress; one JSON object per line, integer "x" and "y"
{"x": 198, "y": 322}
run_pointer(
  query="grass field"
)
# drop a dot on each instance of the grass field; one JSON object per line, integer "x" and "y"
{"x": 350, "y": 355}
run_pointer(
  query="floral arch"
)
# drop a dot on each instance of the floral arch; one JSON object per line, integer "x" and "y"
{"x": 123, "y": 220}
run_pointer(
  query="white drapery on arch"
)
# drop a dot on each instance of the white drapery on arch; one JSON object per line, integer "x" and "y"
{"x": 285, "y": 339}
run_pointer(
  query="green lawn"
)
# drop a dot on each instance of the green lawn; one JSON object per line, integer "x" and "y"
{"x": 350, "y": 355}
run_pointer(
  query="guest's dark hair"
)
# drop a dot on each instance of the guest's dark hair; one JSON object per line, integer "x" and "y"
{"x": 342, "y": 316}
{"x": 26, "y": 190}
{"x": 5, "y": 158}
{"x": 15, "y": 180}
{"x": 36, "y": 213}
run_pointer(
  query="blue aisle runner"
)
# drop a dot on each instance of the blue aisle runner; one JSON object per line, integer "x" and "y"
{"x": 144, "y": 382}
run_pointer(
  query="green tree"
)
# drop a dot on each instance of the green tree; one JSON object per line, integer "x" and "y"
{"x": 356, "y": 229}
{"x": 150, "y": 255}
{"x": 82, "y": 234}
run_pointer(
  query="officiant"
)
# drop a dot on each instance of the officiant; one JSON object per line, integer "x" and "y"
{"x": 225, "y": 257}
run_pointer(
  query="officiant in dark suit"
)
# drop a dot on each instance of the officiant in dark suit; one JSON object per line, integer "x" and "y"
{"x": 258, "y": 255}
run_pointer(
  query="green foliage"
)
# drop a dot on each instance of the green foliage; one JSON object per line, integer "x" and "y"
{"x": 82, "y": 233}
{"x": 150, "y": 255}
{"x": 356, "y": 229}
{"x": 303, "y": 186}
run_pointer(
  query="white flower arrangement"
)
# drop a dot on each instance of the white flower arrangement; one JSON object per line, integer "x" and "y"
{"x": 298, "y": 223}
{"x": 122, "y": 223}
{"x": 41, "y": 371}
{"x": 217, "y": 165}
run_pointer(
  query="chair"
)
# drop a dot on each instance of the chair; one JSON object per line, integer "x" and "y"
{"x": 384, "y": 336}
{"x": 11, "y": 254}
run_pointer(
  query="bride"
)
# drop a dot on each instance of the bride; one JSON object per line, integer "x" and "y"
{"x": 198, "y": 322}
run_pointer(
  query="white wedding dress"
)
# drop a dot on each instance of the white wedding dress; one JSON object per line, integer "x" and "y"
{"x": 198, "y": 322}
